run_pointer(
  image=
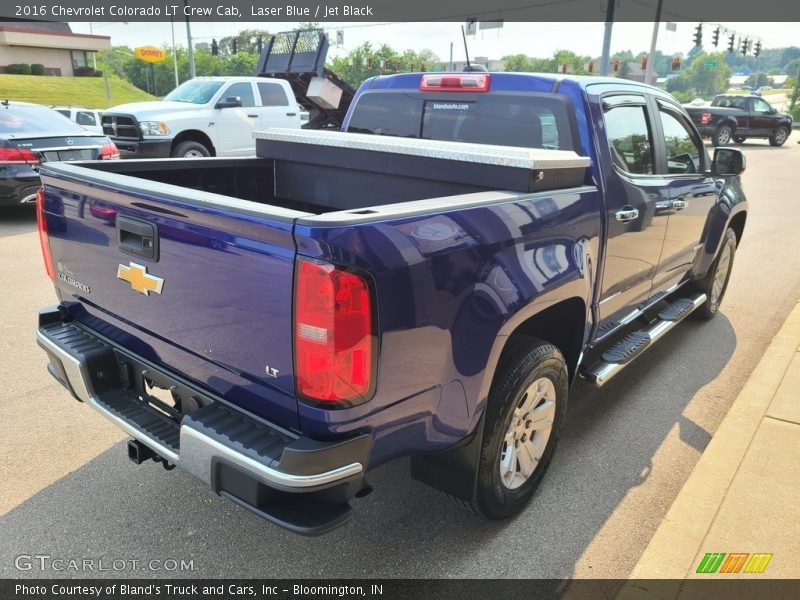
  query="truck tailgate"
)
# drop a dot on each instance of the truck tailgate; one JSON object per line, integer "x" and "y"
{"x": 210, "y": 295}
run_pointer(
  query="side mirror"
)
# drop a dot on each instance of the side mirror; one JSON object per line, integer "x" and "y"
{"x": 728, "y": 162}
{"x": 229, "y": 102}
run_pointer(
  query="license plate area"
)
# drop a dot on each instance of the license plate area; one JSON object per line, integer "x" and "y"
{"x": 158, "y": 391}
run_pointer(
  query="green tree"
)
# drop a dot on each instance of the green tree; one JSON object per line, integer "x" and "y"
{"x": 756, "y": 80}
{"x": 364, "y": 62}
{"x": 518, "y": 63}
{"x": 701, "y": 80}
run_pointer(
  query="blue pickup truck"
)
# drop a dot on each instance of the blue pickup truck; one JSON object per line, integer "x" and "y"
{"x": 428, "y": 282}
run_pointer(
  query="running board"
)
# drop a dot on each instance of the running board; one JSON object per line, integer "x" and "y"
{"x": 623, "y": 353}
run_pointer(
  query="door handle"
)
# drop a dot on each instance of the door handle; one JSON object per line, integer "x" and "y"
{"x": 137, "y": 237}
{"x": 627, "y": 214}
{"x": 291, "y": 114}
{"x": 680, "y": 204}
{"x": 253, "y": 116}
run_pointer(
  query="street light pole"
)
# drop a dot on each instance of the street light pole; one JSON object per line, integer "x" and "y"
{"x": 607, "y": 37}
{"x": 189, "y": 41}
{"x": 651, "y": 58}
{"x": 174, "y": 51}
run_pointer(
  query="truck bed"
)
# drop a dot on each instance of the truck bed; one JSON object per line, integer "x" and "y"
{"x": 298, "y": 171}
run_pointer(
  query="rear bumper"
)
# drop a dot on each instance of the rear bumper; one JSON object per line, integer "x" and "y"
{"x": 298, "y": 483}
{"x": 143, "y": 148}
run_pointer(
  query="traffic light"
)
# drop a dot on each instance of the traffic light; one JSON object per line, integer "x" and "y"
{"x": 676, "y": 64}
{"x": 757, "y": 49}
{"x": 698, "y": 35}
{"x": 214, "y": 47}
{"x": 235, "y": 46}
{"x": 745, "y": 46}
{"x": 616, "y": 65}
{"x": 715, "y": 38}
{"x": 732, "y": 43}
{"x": 644, "y": 63}
{"x": 590, "y": 67}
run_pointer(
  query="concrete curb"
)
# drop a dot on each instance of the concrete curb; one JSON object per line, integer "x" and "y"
{"x": 673, "y": 550}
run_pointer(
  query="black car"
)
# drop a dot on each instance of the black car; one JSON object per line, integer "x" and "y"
{"x": 736, "y": 118}
{"x": 31, "y": 134}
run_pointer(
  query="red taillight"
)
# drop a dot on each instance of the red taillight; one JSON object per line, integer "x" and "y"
{"x": 41, "y": 220}
{"x": 332, "y": 334}
{"x": 17, "y": 156}
{"x": 455, "y": 82}
{"x": 705, "y": 118}
{"x": 109, "y": 151}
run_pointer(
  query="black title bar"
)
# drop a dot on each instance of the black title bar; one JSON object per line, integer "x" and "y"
{"x": 393, "y": 10}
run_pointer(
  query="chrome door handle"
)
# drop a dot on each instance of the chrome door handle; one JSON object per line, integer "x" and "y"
{"x": 680, "y": 204}
{"x": 626, "y": 215}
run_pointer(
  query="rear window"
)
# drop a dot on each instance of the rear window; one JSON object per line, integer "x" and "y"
{"x": 21, "y": 120}
{"x": 529, "y": 120}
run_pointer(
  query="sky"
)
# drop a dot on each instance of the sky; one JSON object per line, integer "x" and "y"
{"x": 532, "y": 39}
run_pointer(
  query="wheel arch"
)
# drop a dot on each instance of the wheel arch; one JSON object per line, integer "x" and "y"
{"x": 737, "y": 223}
{"x": 194, "y": 135}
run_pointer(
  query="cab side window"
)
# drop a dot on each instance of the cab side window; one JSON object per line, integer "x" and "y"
{"x": 760, "y": 106}
{"x": 630, "y": 139}
{"x": 244, "y": 90}
{"x": 683, "y": 151}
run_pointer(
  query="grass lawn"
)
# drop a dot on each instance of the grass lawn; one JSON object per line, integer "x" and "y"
{"x": 69, "y": 91}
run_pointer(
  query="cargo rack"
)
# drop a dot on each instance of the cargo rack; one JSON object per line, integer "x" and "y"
{"x": 299, "y": 58}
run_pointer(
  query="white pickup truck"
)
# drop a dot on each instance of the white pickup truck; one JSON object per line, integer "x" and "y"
{"x": 205, "y": 116}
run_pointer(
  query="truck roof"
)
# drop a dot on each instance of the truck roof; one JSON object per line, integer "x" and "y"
{"x": 508, "y": 81}
{"x": 229, "y": 78}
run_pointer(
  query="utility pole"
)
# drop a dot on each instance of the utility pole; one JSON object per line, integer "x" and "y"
{"x": 174, "y": 51}
{"x": 607, "y": 37}
{"x": 189, "y": 40}
{"x": 651, "y": 58}
{"x": 450, "y": 66}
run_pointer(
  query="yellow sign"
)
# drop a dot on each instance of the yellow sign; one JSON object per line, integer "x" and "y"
{"x": 150, "y": 54}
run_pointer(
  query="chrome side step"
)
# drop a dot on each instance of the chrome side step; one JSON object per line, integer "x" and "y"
{"x": 604, "y": 370}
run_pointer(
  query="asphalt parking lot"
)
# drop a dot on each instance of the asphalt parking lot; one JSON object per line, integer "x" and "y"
{"x": 70, "y": 492}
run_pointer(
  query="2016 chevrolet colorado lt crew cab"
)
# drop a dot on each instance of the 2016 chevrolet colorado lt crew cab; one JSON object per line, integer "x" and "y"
{"x": 427, "y": 283}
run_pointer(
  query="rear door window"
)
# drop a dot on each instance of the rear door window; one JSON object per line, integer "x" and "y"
{"x": 272, "y": 94}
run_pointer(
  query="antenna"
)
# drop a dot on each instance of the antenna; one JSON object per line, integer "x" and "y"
{"x": 466, "y": 50}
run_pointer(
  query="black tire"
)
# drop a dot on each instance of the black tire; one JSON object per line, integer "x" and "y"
{"x": 710, "y": 307}
{"x": 190, "y": 149}
{"x": 534, "y": 361}
{"x": 739, "y": 139}
{"x": 779, "y": 136}
{"x": 722, "y": 136}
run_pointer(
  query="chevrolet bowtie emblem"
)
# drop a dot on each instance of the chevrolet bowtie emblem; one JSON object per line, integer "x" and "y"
{"x": 140, "y": 279}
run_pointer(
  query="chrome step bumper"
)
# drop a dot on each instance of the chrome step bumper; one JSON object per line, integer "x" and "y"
{"x": 227, "y": 448}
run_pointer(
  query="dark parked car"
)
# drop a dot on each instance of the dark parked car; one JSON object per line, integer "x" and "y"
{"x": 31, "y": 134}
{"x": 740, "y": 117}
